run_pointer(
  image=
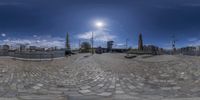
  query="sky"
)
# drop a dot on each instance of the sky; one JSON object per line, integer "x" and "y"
{"x": 45, "y": 22}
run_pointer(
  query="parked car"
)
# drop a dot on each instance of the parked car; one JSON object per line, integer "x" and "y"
{"x": 68, "y": 52}
{"x": 99, "y": 50}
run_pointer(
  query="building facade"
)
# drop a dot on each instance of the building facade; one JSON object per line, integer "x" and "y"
{"x": 109, "y": 46}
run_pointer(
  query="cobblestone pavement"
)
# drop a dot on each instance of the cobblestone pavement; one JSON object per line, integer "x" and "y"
{"x": 101, "y": 76}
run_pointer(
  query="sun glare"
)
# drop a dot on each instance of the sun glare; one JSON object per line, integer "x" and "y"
{"x": 99, "y": 24}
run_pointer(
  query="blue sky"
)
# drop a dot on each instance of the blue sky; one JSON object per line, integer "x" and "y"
{"x": 46, "y": 22}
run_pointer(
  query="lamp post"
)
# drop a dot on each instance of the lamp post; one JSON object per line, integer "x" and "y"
{"x": 99, "y": 25}
{"x": 127, "y": 44}
{"x": 79, "y": 45}
{"x": 92, "y": 40}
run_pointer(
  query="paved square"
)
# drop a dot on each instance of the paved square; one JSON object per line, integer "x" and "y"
{"x": 105, "y": 75}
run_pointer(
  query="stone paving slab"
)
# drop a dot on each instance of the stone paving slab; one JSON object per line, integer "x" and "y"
{"x": 9, "y": 99}
{"x": 43, "y": 97}
{"x": 88, "y": 98}
{"x": 123, "y": 97}
{"x": 106, "y": 76}
{"x": 195, "y": 98}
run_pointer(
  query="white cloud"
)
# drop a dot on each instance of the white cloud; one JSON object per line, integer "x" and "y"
{"x": 192, "y": 39}
{"x": 99, "y": 35}
{"x": 194, "y": 43}
{"x": 34, "y": 36}
{"x": 42, "y": 42}
{"x": 3, "y": 34}
{"x": 120, "y": 44}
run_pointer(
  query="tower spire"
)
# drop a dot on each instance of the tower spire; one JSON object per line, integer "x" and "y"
{"x": 67, "y": 41}
{"x": 140, "y": 42}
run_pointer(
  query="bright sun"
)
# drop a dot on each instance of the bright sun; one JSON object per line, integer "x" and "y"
{"x": 99, "y": 24}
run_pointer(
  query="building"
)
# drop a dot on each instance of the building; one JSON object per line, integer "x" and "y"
{"x": 35, "y": 48}
{"x": 140, "y": 42}
{"x": 198, "y": 48}
{"x": 99, "y": 50}
{"x": 5, "y": 50}
{"x": 5, "y": 47}
{"x": 22, "y": 48}
{"x": 109, "y": 46}
{"x": 151, "y": 49}
{"x": 189, "y": 50}
{"x": 32, "y": 48}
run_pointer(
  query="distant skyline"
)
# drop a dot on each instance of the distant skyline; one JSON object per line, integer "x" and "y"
{"x": 46, "y": 22}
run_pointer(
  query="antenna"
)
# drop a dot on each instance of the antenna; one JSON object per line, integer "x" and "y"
{"x": 174, "y": 40}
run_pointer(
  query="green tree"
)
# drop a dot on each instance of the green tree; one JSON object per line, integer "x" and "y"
{"x": 67, "y": 41}
{"x": 85, "y": 47}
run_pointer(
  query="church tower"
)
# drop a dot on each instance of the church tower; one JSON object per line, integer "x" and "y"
{"x": 67, "y": 41}
{"x": 140, "y": 42}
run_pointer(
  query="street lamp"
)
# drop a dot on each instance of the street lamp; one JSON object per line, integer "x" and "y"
{"x": 127, "y": 44}
{"x": 92, "y": 40}
{"x": 98, "y": 24}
